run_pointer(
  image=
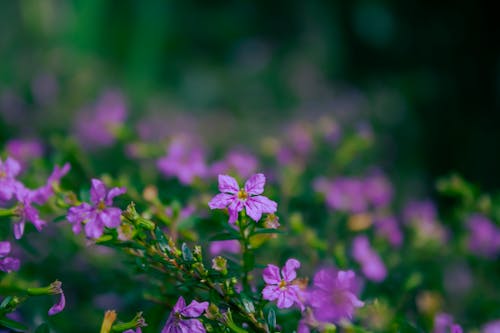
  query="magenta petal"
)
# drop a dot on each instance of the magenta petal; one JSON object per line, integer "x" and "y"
{"x": 288, "y": 270}
{"x": 194, "y": 309}
{"x": 4, "y": 248}
{"x": 284, "y": 300}
{"x": 270, "y": 292}
{"x": 19, "y": 229}
{"x": 195, "y": 326}
{"x": 228, "y": 184}
{"x": 97, "y": 191}
{"x": 12, "y": 167}
{"x": 58, "y": 307}
{"x": 115, "y": 191}
{"x": 255, "y": 184}
{"x": 94, "y": 228}
{"x": 110, "y": 217}
{"x": 181, "y": 304}
{"x": 220, "y": 201}
{"x": 271, "y": 274}
{"x": 266, "y": 205}
{"x": 253, "y": 209}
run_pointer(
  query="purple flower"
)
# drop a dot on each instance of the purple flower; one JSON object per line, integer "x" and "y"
{"x": 347, "y": 194}
{"x": 24, "y": 150}
{"x": 243, "y": 164}
{"x": 230, "y": 246}
{"x": 388, "y": 227}
{"x": 183, "y": 318}
{"x": 59, "y": 306}
{"x": 420, "y": 212}
{"x": 443, "y": 323}
{"x": 491, "y": 327}
{"x": 99, "y": 214}
{"x": 371, "y": 264}
{"x": 8, "y": 183}
{"x": 378, "y": 190}
{"x": 235, "y": 199}
{"x": 333, "y": 295}
{"x": 7, "y": 264}
{"x": 184, "y": 160}
{"x": 97, "y": 126}
{"x": 26, "y": 211}
{"x": 280, "y": 287}
{"x": 44, "y": 193}
{"x": 484, "y": 236}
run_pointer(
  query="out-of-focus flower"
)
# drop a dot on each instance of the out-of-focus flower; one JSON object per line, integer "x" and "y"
{"x": 272, "y": 222}
{"x": 97, "y": 126}
{"x": 230, "y": 246}
{"x": 281, "y": 287}
{"x": 443, "y": 323}
{"x": 42, "y": 194}
{"x": 243, "y": 164}
{"x": 333, "y": 296}
{"x": 371, "y": 264}
{"x": 422, "y": 216}
{"x": 99, "y": 214}
{"x": 8, "y": 183}
{"x": 25, "y": 211}
{"x": 235, "y": 199}
{"x": 347, "y": 194}
{"x": 24, "y": 150}
{"x": 183, "y": 318}
{"x": 388, "y": 227}
{"x": 491, "y": 327}
{"x": 378, "y": 190}
{"x": 484, "y": 236}
{"x": 420, "y": 212}
{"x": 184, "y": 160}
{"x": 7, "y": 264}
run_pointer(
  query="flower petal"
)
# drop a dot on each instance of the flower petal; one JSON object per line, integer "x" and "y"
{"x": 271, "y": 274}
{"x": 255, "y": 184}
{"x": 228, "y": 184}
{"x": 115, "y": 191}
{"x": 285, "y": 300}
{"x": 220, "y": 201}
{"x": 59, "y": 306}
{"x": 253, "y": 209}
{"x": 110, "y": 217}
{"x": 4, "y": 248}
{"x": 194, "y": 309}
{"x": 181, "y": 304}
{"x": 270, "y": 292}
{"x": 97, "y": 191}
{"x": 266, "y": 205}
{"x": 288, "y": 270}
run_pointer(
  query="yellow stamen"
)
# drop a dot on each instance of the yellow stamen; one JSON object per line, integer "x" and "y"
{"x": 242, "y": 194}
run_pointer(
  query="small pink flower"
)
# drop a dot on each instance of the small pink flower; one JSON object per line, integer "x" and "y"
{"x": 280, "y": 287}
{"x": 248, "y": 197}
{"x": 183, "y": 318}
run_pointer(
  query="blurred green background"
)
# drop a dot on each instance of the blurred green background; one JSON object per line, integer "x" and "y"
{"x": 426, "y": 73}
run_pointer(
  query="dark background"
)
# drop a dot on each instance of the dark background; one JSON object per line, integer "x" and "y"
{"x": 429, "y": 71}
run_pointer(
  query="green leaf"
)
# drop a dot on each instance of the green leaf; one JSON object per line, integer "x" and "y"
{"x": 271, "y": 319}
{"x": 187, "y": 255}
{"x": 161, "y": 240}
{"x": 13, "y": 325}
{"x": 43, "y": 328}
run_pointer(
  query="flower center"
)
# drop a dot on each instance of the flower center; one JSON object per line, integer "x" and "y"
{"x": 282, "y": 284}
{"x": 101, "y": 205}
{"x": 3, "y": 174}
{"x": 242, "y": 194}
